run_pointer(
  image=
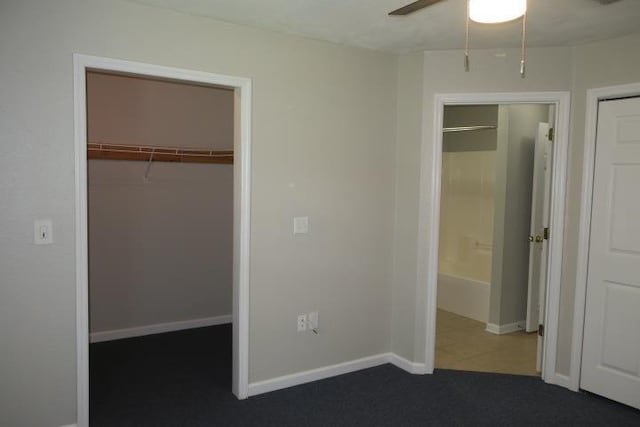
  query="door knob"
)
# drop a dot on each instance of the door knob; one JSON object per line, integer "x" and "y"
{"x": 531, "y": 238}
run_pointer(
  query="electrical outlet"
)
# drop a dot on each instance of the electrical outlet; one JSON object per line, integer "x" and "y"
{"x": 312, "y": 322}
{"x": 302, "y": 322}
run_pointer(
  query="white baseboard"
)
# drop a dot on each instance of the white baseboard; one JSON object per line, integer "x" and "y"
{"x": 562, "y": 381}
{"x": 407, "y": 365}
{"x": 335, "y": 370}
{"x": 158, "y": 328}
{"x": 317, "y": 374}
{"x": 505, "y": 329}
{"x": 70, "y": 425}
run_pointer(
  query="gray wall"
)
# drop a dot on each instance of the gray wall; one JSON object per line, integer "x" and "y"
{"x": 606, "y": 63}
{"x": 555, "y": 68}
{"x": 548, "y": 69}
{"x": 407, "y": 171}
{"x": 518, "y": 126}
{"x": 323, "y": 136}
{"x": 160, "y": 250}
{"x": 324, "y": 131}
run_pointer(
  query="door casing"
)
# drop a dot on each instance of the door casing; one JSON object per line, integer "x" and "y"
{"x": 594, "y": 96}
{"x": 241, "y": 220}
{"x": 428, "y": 240}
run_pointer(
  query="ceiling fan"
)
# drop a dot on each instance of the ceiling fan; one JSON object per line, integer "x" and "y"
{"x": 412, "y": 7}
{"x": 421, "y": 4}
{"x": 486, "y": 12}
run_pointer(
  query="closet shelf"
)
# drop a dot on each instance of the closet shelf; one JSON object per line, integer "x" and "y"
{"x": 97, "y": 150}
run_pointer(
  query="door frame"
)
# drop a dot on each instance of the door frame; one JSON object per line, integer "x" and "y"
{"x": 241, "y": 220}
{"x": 428, "y": 241}
{"x": 594, "y": 96}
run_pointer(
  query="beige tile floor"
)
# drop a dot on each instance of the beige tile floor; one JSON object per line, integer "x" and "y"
{"x": 463, "y": 344}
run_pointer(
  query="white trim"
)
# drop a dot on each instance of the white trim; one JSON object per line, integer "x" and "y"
{"x": 317, "y": 374}
{"x": 158, "y": 328}
{"x": 428, "y": 245}
{"x": 507, "y": 328}
{"x": 430, "y": 212}
{"x": 70, "y": 425}
{"x": 407, "y": 365}
{"x": 594, "y": 96}
{"x": 82, "y": 248}
{"x": 556, "y": 238}
{"x": 304, "y": 377}
{"x": 242, "y": 200}
{"x": 242, "y": 238}
{"x": 561, "y": 380}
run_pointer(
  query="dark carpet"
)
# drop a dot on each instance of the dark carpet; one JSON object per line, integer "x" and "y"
{"x": 184, "y": 379}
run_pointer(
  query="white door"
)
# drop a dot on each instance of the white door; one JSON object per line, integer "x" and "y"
{"x": 542, "y": 284}
{"x": 536, "y": 232}
{"x": 611, "y": 344}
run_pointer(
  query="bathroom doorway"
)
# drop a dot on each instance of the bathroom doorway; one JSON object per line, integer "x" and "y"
{"x": 494, "y": 208}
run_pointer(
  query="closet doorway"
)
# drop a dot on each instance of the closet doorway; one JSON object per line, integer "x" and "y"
{"x": 160, "y": 179}
{"x": 162, "y": 159}
{"x": 494, "y": 208}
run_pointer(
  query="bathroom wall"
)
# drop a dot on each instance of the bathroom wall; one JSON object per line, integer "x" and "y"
{"x": 467, "y": 211}
{"x": 467, "y": 198}
{"x": 517, "y": 128}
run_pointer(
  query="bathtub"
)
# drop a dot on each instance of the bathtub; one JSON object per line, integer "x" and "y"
{"x": 464, "y": 296}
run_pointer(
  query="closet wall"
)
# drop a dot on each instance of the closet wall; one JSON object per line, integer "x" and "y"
{"x": 160, "y": 250}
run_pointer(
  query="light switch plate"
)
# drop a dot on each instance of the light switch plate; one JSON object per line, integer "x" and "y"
{"x": 42, "y": 232}
{"x": 300, "y": 225}
{"x": 312, "y": 321}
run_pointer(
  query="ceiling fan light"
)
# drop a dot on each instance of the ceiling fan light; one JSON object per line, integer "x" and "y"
{"x": 496, "y": 11}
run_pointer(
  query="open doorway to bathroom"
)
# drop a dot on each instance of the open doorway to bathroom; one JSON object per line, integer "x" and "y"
{"x": 494, "y": 210}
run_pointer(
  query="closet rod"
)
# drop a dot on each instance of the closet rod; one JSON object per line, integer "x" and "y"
{"x": 98, "y": 150}
{"x": 468, "y": 128}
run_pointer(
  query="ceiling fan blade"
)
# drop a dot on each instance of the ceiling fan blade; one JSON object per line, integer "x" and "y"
{"x": 412, "y": 7}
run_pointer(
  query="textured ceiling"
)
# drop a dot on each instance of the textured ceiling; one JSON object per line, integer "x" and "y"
{"x": 364, "y": 23}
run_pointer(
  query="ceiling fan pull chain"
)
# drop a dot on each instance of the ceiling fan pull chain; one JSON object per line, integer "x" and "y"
{"x": 466, "y": 42}
{"x": 523, "y": 57}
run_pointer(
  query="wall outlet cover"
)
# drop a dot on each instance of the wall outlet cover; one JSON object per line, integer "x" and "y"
{"x": 302, "y": 322}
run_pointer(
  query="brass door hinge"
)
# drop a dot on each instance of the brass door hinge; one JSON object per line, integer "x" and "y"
{"x": 541, "y": 330}
{"x": 546, "y": 233}
{"x": 552, "y": 134}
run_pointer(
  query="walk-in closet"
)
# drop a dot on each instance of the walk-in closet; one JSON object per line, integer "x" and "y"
{"x": 160, "y": 211}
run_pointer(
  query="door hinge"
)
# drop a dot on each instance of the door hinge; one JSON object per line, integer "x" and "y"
{"x": 541, "y": 330}
{"x": 546, "y": 233}
{"x": 551, "y": 134}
